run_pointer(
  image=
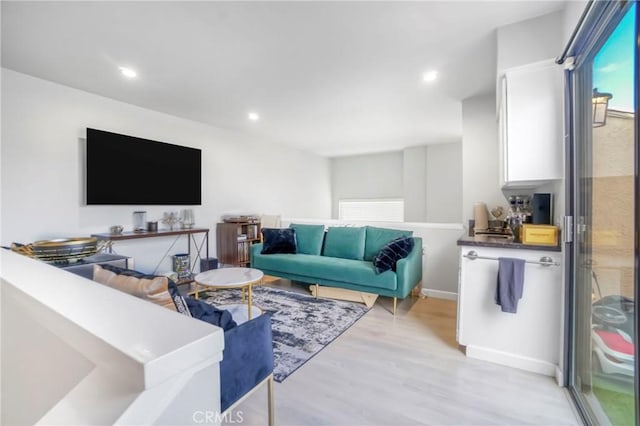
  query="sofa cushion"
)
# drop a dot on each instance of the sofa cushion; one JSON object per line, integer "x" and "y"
{"x": 152, "y": 288}
{"x": 178, "y": 300}
{"x": 397, "y": 249}
{"x": 308, "y": 238}
{"x": 278, "y": 240}
{"x": 346, "y": 242}
{"x": 376, "y": 238}
{"x": 335, "y": 269}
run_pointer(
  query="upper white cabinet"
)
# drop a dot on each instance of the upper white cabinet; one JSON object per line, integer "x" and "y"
{"x": 531, "y": 124}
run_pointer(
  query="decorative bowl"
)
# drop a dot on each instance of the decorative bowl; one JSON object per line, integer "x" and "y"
{"x": 64, "y": 249}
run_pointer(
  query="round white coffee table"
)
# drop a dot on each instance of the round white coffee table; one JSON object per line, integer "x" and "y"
{"x": 243, "y": 278}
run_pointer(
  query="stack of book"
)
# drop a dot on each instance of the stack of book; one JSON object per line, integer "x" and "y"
{"x": 252, "y": 232}
{"x": 243, "y": 252}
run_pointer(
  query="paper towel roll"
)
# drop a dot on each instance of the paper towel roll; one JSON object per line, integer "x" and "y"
{"x": 481, "y": 217}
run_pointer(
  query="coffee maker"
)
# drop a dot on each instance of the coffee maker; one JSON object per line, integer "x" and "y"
{"x": 542, "y": 208}
{"x": 519, "y": 214}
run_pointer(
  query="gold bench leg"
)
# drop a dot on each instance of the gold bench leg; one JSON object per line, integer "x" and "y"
{"x": 272, "y": 408}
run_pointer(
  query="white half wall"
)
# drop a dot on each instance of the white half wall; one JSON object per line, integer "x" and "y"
{"x": 77, "y": 352}
{"x": 43, "y": 133}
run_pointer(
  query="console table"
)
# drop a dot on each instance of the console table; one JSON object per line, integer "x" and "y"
{"x": 189, "y": 232}
{"x": 84, "y": 267}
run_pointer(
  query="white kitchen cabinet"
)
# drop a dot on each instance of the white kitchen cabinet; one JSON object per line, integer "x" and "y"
{"x": 529, "y": 339}
{"x": 531, "y": 124}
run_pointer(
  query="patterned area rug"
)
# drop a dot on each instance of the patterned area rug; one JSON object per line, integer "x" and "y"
{"x": 302, "y": 325}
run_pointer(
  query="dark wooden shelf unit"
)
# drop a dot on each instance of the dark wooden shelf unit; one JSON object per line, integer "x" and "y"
{"x": 234, "y": 241}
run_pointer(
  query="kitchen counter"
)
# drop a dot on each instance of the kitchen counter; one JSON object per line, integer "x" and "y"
{"x": 500, "y": 242}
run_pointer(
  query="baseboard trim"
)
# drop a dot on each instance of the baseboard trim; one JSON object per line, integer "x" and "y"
{"x": 512, "y": 360}
{"x": 439, "y": 294}
{"x": 559, "y": 376}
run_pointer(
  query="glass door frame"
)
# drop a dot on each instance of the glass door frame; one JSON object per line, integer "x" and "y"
{"x": 595, "y": 26}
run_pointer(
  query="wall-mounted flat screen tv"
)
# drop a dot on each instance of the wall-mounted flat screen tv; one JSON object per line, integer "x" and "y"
{"x": 127, "y": 170}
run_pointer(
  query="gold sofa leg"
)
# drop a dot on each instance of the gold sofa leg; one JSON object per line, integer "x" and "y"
{"x": 272, "y": 408}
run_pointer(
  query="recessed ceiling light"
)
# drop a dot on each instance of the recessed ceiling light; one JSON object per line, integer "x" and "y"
{"x": 253, "y": 116}
{"x": 128, "y": 72}
{"x": 430, "y": 76}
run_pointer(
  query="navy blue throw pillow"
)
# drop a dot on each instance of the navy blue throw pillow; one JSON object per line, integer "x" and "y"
{"x": 209, "y": 313}
{"x": 278, "y": 240}
{"x": 395, "y": 250}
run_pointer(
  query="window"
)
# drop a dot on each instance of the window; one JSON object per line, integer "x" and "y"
{"x": 376, "y": 210}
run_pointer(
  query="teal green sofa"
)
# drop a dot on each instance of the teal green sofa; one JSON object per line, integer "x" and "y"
{"x": 343, "y": 257}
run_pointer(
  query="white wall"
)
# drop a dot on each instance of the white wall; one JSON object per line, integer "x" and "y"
{"x": 518, "y": 44}
{"x": 43, "y": 131}
{"x": 534, "y": 40}
{"x": 415, "y": 183}
{"x": 530, "y": 41}
{"x": 571, "y": 16}
{"x": 428, "y": 177}
{"x": 365, "y": 176}
{"x": 444, "y": 182}
{"x": 480, "y": 162}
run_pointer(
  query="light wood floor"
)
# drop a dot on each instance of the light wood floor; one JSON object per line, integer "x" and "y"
{"x": 406, "y": 371}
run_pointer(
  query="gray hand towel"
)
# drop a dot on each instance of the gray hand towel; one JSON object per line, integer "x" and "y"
{"x": 510, "y": 283}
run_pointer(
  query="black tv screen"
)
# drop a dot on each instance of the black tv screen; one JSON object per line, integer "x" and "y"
{"x": 127, "y": 170}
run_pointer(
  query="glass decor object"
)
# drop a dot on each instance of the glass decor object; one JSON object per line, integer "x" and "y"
{"x": 139, "y": 221}
{"x": 170, "y": 219}
{"x": 187, "y": 218}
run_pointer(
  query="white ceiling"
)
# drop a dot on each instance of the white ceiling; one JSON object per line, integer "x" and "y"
{"x": 332, "y": 78}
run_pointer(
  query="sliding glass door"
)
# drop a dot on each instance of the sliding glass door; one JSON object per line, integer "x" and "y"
{"x": 603, "y": 273}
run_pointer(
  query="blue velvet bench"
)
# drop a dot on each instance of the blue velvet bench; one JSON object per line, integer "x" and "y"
{"x": 247, "y": 359}
{"x": 247, "y": 363}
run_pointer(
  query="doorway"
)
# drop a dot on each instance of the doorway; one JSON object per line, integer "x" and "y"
{"x": 602, "y": 190}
